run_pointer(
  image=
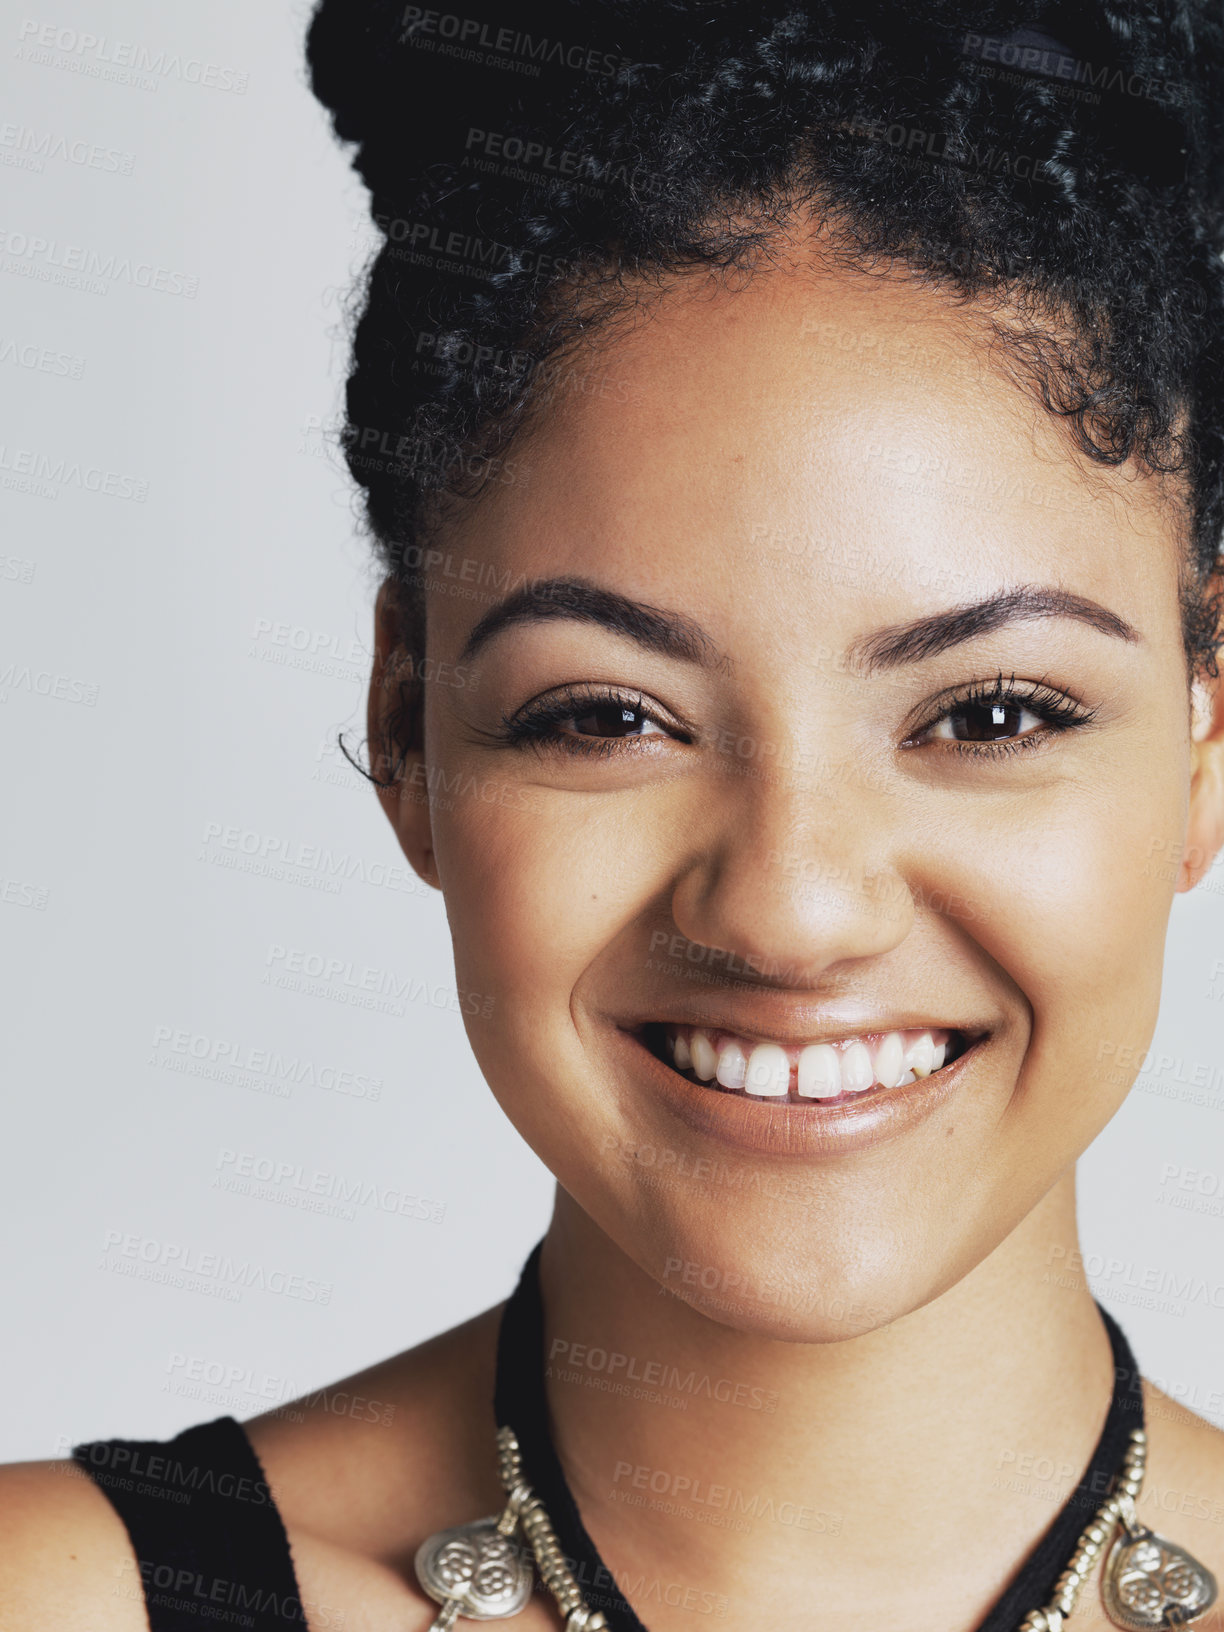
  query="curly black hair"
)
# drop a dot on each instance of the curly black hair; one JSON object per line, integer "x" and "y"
{"x": 528, "y": 166}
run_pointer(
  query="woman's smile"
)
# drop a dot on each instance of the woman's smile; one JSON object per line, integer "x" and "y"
{"x": 830, "y": 1069}
{"x": 793, "y": 1125}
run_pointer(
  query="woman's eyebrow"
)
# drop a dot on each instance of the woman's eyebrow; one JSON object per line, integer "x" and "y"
{"x": 928, "y": 636}
{"x": 671, "y": 634}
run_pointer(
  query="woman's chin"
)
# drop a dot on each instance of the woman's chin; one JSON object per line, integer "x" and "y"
{"x": 762, "y": 1293}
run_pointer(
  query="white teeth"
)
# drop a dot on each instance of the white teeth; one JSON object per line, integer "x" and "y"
{"x": 890, "y": 1060}
{"x": 732, "y": 1066}
{"x": 705, "y": 1060}
{"x": 819, "y": 1072}
{"x": 858, "y": 1072}
{"x": 768, "y": 1070}
{"x": 921, "y": 1057}
{"x": 822, "y": 1070}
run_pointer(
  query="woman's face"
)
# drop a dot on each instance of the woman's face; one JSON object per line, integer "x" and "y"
{"x": 808, "y": 831}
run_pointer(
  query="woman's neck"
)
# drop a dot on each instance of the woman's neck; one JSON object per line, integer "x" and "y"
{"x": 906, "y": 1472}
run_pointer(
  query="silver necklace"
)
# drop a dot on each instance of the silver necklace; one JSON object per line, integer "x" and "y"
{"x": 479, "y": 1571}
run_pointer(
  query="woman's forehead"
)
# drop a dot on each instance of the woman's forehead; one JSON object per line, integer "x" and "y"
{"x": 802, "y": 423}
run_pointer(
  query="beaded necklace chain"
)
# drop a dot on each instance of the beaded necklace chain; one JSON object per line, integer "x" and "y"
{"x": 485, "y": 1570}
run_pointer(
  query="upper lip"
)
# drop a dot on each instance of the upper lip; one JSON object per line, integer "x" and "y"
{"x": 791, "y": 1032}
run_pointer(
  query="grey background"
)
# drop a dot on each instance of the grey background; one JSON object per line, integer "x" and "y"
{"x": 175, "y": 665}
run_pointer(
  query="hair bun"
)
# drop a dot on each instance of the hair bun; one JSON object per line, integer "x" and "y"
{"x": 409, "y": 84}
{"x": 1068, "y": 149}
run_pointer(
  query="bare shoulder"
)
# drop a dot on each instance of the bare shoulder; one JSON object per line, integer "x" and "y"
{"x": 353, "y": 1462}
{"x": 1183, "y": 1489}
{"x": 65, "y": 1558}
{"x": 364, "y": 1470}
{"x": 361, "y": 1472}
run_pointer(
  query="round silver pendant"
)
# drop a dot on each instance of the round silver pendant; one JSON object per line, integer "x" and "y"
{"x": 1151, "y": 1582}
{"x": 475, "y": 1564}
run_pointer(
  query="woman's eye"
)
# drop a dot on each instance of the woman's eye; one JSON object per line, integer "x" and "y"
{"x": 610, "y": 720}
{"x": 583, "y": 723}
{"x": 984, "y": 722}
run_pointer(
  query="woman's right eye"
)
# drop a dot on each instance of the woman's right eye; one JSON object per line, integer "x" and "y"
{"x": 588, "y": 723}
{"x": 611, "y": 720}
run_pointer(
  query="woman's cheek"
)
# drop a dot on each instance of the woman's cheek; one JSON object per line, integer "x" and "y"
{"x": 1062, "y": 904}
{"x": 530, "y": 907}
{"x": 535, "y": 892}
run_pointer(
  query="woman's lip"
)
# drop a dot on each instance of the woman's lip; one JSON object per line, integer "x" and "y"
{"x": 788, "y": 1037}
{"x": 808, "y": 1129}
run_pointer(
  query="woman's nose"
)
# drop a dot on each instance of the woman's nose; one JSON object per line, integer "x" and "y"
{"x": 797, "y": 876}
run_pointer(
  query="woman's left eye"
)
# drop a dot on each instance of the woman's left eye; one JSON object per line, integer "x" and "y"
{"x": 1003, "y": 717}
{"x": 984, "y": 722}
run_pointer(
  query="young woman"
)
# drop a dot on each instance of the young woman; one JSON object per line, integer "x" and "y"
{"x": 793, "y": 438}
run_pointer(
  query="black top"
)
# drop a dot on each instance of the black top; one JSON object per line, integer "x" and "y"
{"x": 211, "y": 1546}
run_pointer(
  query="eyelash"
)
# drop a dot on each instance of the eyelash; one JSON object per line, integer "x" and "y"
{"x": 537, "y": 723}
{"x": 1059, "y": 712}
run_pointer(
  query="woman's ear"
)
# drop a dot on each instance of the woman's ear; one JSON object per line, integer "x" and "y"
{"x": 1205, "y": 822}
{"x": 395, "y": 732}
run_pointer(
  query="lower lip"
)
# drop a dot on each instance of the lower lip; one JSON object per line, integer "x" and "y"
{"x": 781, "y": 1127}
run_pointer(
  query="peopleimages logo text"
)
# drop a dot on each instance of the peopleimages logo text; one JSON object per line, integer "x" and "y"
{"x": 477, "y": 34}
{"x": 49, "y": 255}
{"x": 101, "y": 49}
